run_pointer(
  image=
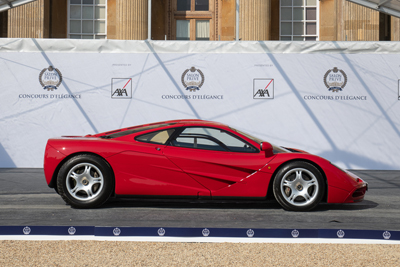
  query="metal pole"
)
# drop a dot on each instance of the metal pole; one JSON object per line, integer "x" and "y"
{"x": 237, "y": 20}
{"x": 149, "y": 20}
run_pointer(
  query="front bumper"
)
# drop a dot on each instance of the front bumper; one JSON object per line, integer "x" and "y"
{"x": 358, "y": 193}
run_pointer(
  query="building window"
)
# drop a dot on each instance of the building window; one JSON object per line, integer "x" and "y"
{"x": 183, "y": 30}
{"x": 201, "y": 5}
{"x": 186, "y": 5}
{"x": 202, "y": 30}
{"x": 299, "y": 20}
{"x": 183, "y": 5}
{"x": 384, "y": 27}
{"x": 193, "y": 20}
{"x": 87, "y": 19}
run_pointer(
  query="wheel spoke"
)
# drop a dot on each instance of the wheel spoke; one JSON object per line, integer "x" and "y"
{"x": 97, "y": 180}
{"x": 293, "y": 197}
{"x": 299, "y": 175}
{"x": 74, "y": 176}
{"x": 288, "y": 183}
{"x": 75, "y": 190}
{"x": 89, "y": 192}
{"x": 306, "y": 196}
{"x": 87, "y": 170}
{"x": 309, "y": 184}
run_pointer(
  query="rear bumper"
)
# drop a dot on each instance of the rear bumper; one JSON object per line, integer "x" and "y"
{"x": 52, "y": 158}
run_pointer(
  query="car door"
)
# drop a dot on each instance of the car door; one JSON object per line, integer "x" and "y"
{"x": 217, "y": 159}
{"x": 147, "y": 171}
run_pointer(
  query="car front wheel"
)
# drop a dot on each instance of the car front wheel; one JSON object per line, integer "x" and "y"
{"x": 299, "y": 186}
{"x": 85, "y": 181}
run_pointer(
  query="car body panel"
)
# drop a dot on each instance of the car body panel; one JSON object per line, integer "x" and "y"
{"x": 151, "y": 173}
{"x": 218, "y": 169}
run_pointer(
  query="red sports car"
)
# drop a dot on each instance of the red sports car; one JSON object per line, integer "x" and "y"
{"x": 192, "y": 159}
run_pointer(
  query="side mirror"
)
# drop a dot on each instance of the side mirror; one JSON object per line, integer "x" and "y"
{"x": 267, "y": 148}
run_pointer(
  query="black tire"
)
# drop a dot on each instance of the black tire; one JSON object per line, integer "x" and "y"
{"x": 299, "y": 186}
{"x": 85, "y": 181}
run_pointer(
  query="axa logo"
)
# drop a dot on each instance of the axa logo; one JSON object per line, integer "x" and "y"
{"x": 263, "y": 88}
{"x": 121, "y": 88}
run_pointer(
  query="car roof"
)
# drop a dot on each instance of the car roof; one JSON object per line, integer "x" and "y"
{"x": 186, "y": 122}
{"x": 195, "y": 121}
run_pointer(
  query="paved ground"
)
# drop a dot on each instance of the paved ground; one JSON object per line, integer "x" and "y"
{"x": 25, "y": 199}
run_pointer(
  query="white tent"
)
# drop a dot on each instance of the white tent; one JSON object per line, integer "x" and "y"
{"x": 7, "y": 4}
{"x": 390, "y": 7}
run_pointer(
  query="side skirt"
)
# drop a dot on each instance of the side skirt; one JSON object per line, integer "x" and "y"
{"x": 192, "y": 197}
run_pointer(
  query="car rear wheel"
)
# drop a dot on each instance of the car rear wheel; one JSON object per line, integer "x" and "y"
{"x": 299, "y": 186}
{"x": 85, "y": 181}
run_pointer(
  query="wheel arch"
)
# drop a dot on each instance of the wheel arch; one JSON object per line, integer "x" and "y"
{"x": 270, "y": 194}
{"x": 53, "y": 182}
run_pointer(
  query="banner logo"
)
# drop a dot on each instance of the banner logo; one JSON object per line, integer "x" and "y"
{"x": 26, "y": 230}
{"x": 295, "y": 233}
{"x": 116, "y": 231}
{"x": 50, "y": 78}
{"x": 335, "y": 79}
{"x": 205, "y": 232}
{"x": 71, "y": 230}
{"x": 386, "y": 235}
{"x": 340, "y": 233}
{"x": 193, "y": 79}
{"x": 121, "y": 88}
{"x": 263, "y": 88}
{"x": 161, "y": 231}
{"x": 250, "y": 233}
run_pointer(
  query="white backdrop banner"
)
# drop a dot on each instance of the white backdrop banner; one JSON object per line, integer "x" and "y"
{"x": 339, "y": 100}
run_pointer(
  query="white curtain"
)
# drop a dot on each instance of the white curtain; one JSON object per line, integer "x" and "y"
{"x": 182, "y": 30}
{"x": 202, "y": 29}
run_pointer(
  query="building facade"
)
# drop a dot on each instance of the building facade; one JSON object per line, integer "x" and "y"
{"x": 214, "y": 20}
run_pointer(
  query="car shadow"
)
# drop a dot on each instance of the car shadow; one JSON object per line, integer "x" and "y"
{"x": 189, "y": 203}
{"x": 225, "y": 204}
{"x": 364, "y": 205}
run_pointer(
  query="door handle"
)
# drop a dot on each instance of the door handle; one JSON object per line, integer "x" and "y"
{"x": 158, "y": 149}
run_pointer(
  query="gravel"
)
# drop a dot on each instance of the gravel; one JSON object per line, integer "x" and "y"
{"x": 114, "y": 253}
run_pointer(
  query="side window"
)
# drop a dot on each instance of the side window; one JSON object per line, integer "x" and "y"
{"x": 211, "y": 139}
{"x": 197, "y": 141}
{"x": 159, "y": 137}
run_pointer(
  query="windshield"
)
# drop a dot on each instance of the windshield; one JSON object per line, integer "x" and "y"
{"x": 276, "y": 149}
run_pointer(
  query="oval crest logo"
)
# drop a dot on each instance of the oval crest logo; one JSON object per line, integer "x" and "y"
{"x": 193, "y": 79}
{"x": 50, "y": 78}
{"x": 335, "y": 79}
